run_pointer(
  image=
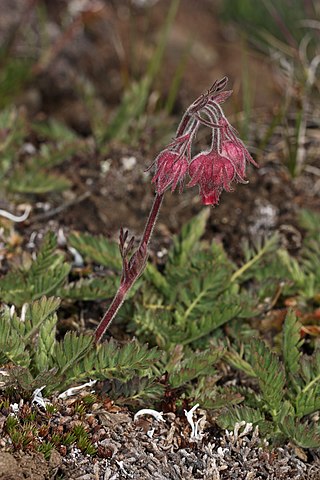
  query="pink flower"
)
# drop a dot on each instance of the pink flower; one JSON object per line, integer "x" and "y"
{"x": 238, "y": 155}
{"x": 171, "y": 168}
{"x": 213, "y": 173}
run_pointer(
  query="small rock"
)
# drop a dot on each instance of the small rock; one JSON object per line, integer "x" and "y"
{"x": 9, "y": 468}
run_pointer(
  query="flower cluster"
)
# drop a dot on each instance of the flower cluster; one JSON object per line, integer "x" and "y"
{"x": 213, "y": 170}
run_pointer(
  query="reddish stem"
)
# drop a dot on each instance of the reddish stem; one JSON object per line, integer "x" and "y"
{"x": 135, "y": 270}
{"x": 152, "y": 219}
{"x": 183, "y": 124}
{"x": 111, "y": 312}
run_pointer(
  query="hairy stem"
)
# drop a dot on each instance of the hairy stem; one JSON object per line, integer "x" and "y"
{"x": 111, "y": 312}
{"x": 130, "y": 277}
{"x": 152, "y": 219}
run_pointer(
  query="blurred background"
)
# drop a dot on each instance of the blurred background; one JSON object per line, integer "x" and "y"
{"x": 90, "y": 91}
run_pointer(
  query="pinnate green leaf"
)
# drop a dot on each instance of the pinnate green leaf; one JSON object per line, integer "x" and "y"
{"x": 270, "y": 374}
{"x": 98, "y": 248}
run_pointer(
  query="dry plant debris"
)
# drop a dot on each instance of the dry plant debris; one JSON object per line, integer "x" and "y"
{"x": 143, "y": 447}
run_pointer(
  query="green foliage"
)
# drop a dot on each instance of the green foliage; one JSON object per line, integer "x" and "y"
{"x": 36, "y": 315}
{"x": 202, "y": 303}
{"x": 83, "y": 441}
{"x": 69, "y": 351}
{"x": 304, "y": 434}
{"x": 43, "y": 277}
{"x": 26, "y": 174}
{"x": 110, "y": 361}
{"x": 270, "y": 375}
{"x": 136, "y": 391}
{"x": 292, "y": 344}
{"x": 132, "y": 106}
{"x": 238, "y": 414}
{"x": 55, "y": 131}
{"x": 29, "y": 180}
{"x": 183, "y": 244}
{"x": 45, "y": 344}
{"x": 289, "y": 391}
{"x": 46, "y": 448}
{"x": 37, "y": 358}
{"x": 305, "y": 273}
{"x": 12, "y": 347}
{"x": 13, "y": 76}
{"x": 237, "y": 360}
{"x": 185, "y": 366}
{"x": 310, "y": 221}
{"x": 271, "y": 268}
{"x": 193, "y": 375}
{"x": 256, "y": 255}
{"x": 22, "y": 434}
{"x": 99, "y": 249}
{"x": 48, "y": 273}
{"x": 12, "y": 128}
{"x": 87, "y": 289}
{"x": 193, "y": 296}
{"x": 180, "y": 308}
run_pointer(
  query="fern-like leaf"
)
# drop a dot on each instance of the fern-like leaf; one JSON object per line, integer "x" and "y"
{"x": 236, "y": 359}
{"x": 185, "y": 242}
{"x": 307, "y": 401}
{"x": 12, "y": 347}
{"x": 308, "y": 398}
{"x": 48, "y": 265}
{"x": 306, "y": 435}
{"x": 14, "y": 289}
{"x": 43, "y": 277}
{"x": 98, "y": 248}
{"x": 135, "y": 391}
{"x": 195, "y": 365}
{"x": 89, "y": 289}
{"x": 45, "y": 344}
{"x": 310, "y": 369}
{"x": 233, "y": 415}
{"x": 111, "y": 361}
{"x": 213, "y": 397}
{"x": 292, "y": 343}
{"x": 198, "y": 327}
{"x": 270, "y": 374}
{"x": 37, "y": 313}
{"x": 70, "y": 351}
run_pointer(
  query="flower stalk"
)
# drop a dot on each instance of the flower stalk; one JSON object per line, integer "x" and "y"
{"x": 132, "y": 269}
{"x": 212, "y": 171}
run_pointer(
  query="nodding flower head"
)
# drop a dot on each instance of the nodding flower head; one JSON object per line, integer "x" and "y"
{"x": 232, "y": 147}
{"x": 238, "y": 155}
{"x": 171, "y": 169}
{"x": 212, "y": 171}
